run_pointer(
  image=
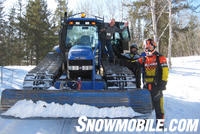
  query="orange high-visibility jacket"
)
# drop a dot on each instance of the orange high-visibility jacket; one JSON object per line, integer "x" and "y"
{"x": 155, "y": 69}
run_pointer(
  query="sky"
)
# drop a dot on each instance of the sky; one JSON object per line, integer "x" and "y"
{"x": 72, "y": 3}
{"x": 75, "y": 5}
{"x": 51, "y": 3}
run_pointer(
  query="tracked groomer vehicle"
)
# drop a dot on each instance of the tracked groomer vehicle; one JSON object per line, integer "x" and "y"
{"x": 80, "y": 74}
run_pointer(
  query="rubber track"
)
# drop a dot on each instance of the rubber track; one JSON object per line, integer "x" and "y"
{"x": 50, "y": 64}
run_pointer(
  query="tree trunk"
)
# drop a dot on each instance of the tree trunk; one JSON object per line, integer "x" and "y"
{"x": 154, "y": 22}
{"x": 170, "y": 34}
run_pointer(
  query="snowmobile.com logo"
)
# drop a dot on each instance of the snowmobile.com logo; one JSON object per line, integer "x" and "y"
{"x": 135, "y": 125}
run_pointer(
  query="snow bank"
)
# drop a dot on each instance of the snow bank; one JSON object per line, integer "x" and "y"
{"x": 184, "y": 79}
{"x": 26, "y": 109}
{"x": 13, "y": 76}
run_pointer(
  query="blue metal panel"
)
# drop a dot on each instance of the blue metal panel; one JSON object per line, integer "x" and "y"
{"x": 139, "y": 100}
{"x": 94, "y": 69}
{"x": 86, "y": 85}
{"x": 100, "y": 45}
{"x": 80, "y": 52}
{"x": 58, "y": 50}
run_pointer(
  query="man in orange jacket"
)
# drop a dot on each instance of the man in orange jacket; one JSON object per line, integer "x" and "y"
{"x": 155, "y": 75}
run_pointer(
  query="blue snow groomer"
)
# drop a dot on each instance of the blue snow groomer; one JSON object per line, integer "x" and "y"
{"x": 80, "y": 73}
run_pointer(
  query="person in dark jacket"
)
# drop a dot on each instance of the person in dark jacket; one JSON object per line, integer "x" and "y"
{"x": 133, "y": 52}
{"x": 132, "y": 64}
{"x": 107, "y": 32}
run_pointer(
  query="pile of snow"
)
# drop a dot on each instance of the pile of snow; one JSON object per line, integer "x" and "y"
{"x": 26, "y": 109}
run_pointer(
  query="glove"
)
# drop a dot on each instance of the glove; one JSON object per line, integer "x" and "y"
{"x": 157, "y": 96}
{"x": 133, "y": 61}
{"x": 162, "y": 85}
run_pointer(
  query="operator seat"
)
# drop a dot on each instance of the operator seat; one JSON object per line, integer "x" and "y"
{"x": 85, "y": 40}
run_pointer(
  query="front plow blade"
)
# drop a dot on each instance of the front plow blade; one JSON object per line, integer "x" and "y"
{"x": 139, "y": 100}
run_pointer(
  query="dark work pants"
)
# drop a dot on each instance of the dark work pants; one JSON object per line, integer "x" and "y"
{"x": 110, "y": 50}
{"x": 137, "y": 73}
{"x": 134, "y": 67}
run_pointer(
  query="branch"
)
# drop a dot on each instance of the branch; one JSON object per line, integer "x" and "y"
{"x": 195, "y": 8}
{"x": 163, "y": 32}
{"x": 161, "y": 13}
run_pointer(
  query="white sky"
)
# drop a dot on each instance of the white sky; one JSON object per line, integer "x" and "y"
{"x": 51, "y": 4}
{"x": 75, "y": 6}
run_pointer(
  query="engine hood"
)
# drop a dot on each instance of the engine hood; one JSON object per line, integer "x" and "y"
{"x": 80, "y": 52}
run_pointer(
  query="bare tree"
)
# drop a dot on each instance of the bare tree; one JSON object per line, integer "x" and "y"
{"x": 100, "y": 9}
{"x": 156, "y": 15}
{"x": 154, "y": 22}
{"x": 111, "y": 9}
{"x": 86, "y": 6}
{"x": 170, "y": 33}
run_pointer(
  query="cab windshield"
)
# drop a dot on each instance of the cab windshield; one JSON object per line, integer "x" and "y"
{"x": 81, "y": 35}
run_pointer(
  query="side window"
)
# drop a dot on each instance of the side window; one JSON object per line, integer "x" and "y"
{"x": 117, "y": 36}
{"x": 125, "y": 33}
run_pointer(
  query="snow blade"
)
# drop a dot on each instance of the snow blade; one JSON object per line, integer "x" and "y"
{"x": 139, "y": 100}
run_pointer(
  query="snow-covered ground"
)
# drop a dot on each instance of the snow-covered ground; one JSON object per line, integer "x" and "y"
{"x": 181, "y": 99}
{"x": 31, "y": 109}
{"x": 13, "y": 76}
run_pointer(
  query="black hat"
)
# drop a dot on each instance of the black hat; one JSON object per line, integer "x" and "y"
{"x": 133, "y": 46}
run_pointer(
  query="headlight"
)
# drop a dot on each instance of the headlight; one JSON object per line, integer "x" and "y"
{"x": 73, "y": 67}
{"x": 87, "y": 67}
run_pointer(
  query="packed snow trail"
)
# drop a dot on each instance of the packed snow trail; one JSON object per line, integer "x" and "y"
{"x": 181, "y": 100}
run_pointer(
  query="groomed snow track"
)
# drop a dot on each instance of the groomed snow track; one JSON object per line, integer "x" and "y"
{"x": 45, "y": 73}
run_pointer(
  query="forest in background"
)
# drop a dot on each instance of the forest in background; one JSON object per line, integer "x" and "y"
{"x": 28, "y": 31}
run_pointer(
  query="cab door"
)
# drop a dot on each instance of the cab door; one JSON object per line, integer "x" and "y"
{"x": 122, "y": 38}
{"x": 120, "y": 41}
{"x": 125, "y": 36}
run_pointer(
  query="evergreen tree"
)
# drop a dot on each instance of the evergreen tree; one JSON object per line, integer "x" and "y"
{"x": 60, "y": 10}
{"x": 2, "y": 36}
{"x": 10, "y": 39}
{"x": 38, "y": 30}
{"x": 20, "y": 34}
{"x": 59, "y": 13}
